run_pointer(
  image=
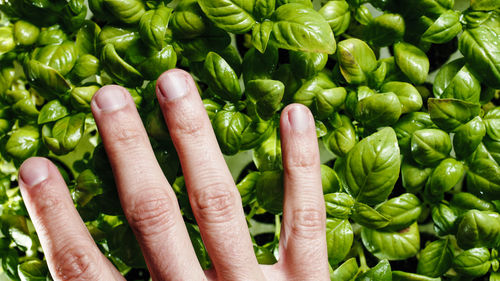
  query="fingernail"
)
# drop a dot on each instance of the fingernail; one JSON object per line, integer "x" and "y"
{"x": 298, "y": 118}
{"x": 34, "y": 171}
{"x": 173, "y": 85}
{"x": 110, "y": 99}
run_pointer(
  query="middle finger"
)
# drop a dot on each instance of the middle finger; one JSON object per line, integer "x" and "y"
{"x": 213, "y": 195}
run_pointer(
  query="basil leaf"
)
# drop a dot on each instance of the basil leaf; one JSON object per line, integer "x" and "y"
{"x": 152, "y": 67}
{"x": 414, "y": 176}
{"x": 392, "y": 245}
{"x": 380, "y": 272}
{"x": 369, "y": 217}
{"x": 235, "y": 16}
{"x": 479, "y": 229}
{"x": 33, "y": 270}
{"x": 492, "y": 123}
{"x": 435, "y": 259}
{"x": 445, "y": 28}
{"x": 339, "y": 238}
{"x": 480, "y": 49}
{"x": 269, "y": 191}
{"x": 473, "y": 262}
{"x": 408, "y": 95}
{"x": 52, "y": 111}
{"x": 228, "y": 128}
{"x": 341, "y": 139}
{"x": 454, "y": 80}
{"x": 385, "y": 29}
{"x": 299, "y": 28}
{"x": 46, "y": 79}
{"x": 153, "y": 26}
{"x": 25, "y": 33}
{"x": 261, "y": 34}
{"x": 412, "y": 61}
{"x": 118, "y": 68}
{"x": 429, "y": 146}
{"x": 468, "y": 137}
{"x": 378, "y": 110}
{"x": 445, "y": 219}
{"x": 221, "y": 77}
{"x": 444, "y": 177}
{"x": 267, "y": 156}
{"x": 408, "y": 124}
{"x": 126, "y": 11}
{"x": 405, "y": 276}
{"x": 357, "y": 61}
{"x": 372, "y": 167}
{"x": 449, "y": 114}
{"x": 339, "y": 205}
{"x": 337, "y": 15}
{"x": 402, "y": 211}
{"x": 346, "y": 271}
{"x": 23, "y": 142}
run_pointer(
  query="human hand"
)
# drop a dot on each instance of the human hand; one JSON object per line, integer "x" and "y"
{"x": 151, "y": 208}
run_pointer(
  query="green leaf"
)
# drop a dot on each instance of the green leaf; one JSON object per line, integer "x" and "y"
{"x": 429, "y": 146}
{"x": 228, "y": 128}
{"x": 188, "y": 20}
{"x": 339, "y": 238}
{"x": 479, "y": 229}
{"x": 449, "y": 114}
{"x": 380, "y": 272}
{"x": 122, "y": 39}
{"x": 385, "y": 29}
{"x": 52, "y": 111}
{"x": 372, "y": 167}
{"x": 7, "y": 42}
{"x": 119, "y": 69}
{"x": 402, "y": 211}
{"x": 25, "y": 33}
{"x": 329, "y": 180}
{"x": 82, "y": 96}
{"x": 454, "y": 80}
{"x": 126, "y": 11}
{"x": 152, "y": 67}
{"x": 468, "y": 137}
{"x": 267, "y": 94}
{"x": 246, "y": 187}
{"x": 153, "y": 27}
{"x": 261, "y": 34}
{"x": 357, "y": 61}
{"x": 269, "y": 191}
{"x": 307, "y": 64}
{"x": 255, "y": 133}
{"x": 435, "y": 259}
{"x": 445, "y": 28}
{"x": 46, "y": 78}
{"x": 368, "y": 216}
{"x": 444, "y": 177}
{"x": 378, "y": 110}
{"x": 320, "y": 94}
{"x": 267, "y": 156}
{"x": 412, "y": 61}
{"x": 85, "y": 66}
{"x": 346, "y": 271}
{"x": 483, "y": 175}
{"x": 299, "y": 28}
{"x": 492, "y": 123}
{"x": 408, "y": 95}
{"x": 466, "y": 201}
{"x": 413, "y": 176}
{"x": 480, "y": 49}
{"x": 408, "y": 124}
{"x": 337, "y": 14}
{"x": 474, "y": 262}
{"x": 86, "y": 38}
{"x": 342, "y": 138}
{"x": 33, "y": 270}
{"x": 392, "y": 245}
{"x": 65, "y": 134}
{"x": 23, "y": 142}
{"x": 221, "y": 77}
{"x": 445, "y": 219}
{"x": 258, "y": 65}
{"x": 339, "y": 205}
{"x": 234, "y": 16}
{"x": 61, "y": 57}
{"x": 405, "y": 276}
{"x": 484, "y": 5}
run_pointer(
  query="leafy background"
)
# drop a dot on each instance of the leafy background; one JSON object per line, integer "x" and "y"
{"x": 405, "y": 95}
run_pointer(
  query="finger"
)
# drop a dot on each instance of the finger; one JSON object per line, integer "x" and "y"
{"x": 70, "y": 250}
{"x": 212, "y": 193}
{"x": 303, "y": 241}
{"x": 148, "y": 201}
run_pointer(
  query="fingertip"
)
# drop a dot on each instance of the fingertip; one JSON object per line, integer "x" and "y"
{"x": 173, "y": 84}
{"x": 33, "y": 171}
{"x": 297, "y": 117}
{"x": 110, "y": 98}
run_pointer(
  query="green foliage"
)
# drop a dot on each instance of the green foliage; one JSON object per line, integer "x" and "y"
{"x": 412, "y": 137}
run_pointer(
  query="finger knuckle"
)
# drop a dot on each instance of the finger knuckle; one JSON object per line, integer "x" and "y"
{"x": 76, "y": 262}
{"x": 125, "y": 137}
{"x": 152, "y": 213}
{"x": 216, "y": 203}
{"x": 188, "y": 122}
{"x": 308, "y": 223}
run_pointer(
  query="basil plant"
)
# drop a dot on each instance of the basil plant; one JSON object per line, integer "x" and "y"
{"x": 405, "y": 96}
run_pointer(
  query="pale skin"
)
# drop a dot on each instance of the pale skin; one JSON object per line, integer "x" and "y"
{"x": 152, "y": 210}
